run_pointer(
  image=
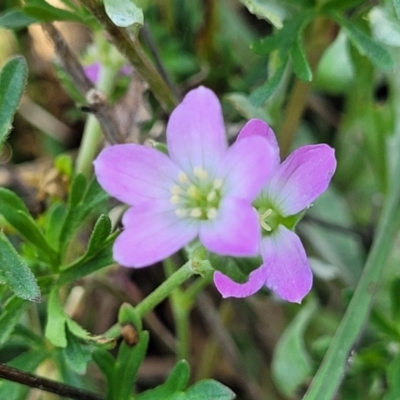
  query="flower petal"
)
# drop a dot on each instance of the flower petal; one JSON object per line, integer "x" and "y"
{"x": 152, "y": 233}
{"x": 258, "y": 127}
{"x": 301, "y": 178}
{"x": 229, "y": 288}
{"x": 135, "y": 174}
{"x": 195, "y": 131}
{"x": 234, "y": 232}
{"x": 246, "y": 167}
{"x": 288, "y": 271}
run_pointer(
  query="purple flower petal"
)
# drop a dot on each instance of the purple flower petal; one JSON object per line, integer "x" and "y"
{"x": 246, "y": 167}
{"x": 195, "y": 131}
{"x": 92, "y": 71}
{"x": 135, "y": 174}
{"x": 257, "y": 127}
{"x": 234, "y": 232}
{"x": 285, "y": 261}
{"x": 152, "y": 233}
{"x": 229, "y": 288}
{"x": 301, "y": 178}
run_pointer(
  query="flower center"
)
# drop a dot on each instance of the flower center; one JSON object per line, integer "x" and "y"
{"x": 196, "y": 196}
{"x": 269, "y": 220}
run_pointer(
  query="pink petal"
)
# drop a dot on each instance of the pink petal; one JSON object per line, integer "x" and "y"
{"x": 246, "y": 167}
{"x": 229, "y": 288}
{"x": 286, "y": 264}
{"x": 92, "y": 71}
{"x": 195, "y": 131}
{"x": 135, "y": 174}
{"x": 301, "y": 178}
{"x": 234, "y": 232}
{"x": 152, "y": 233}
{"x": 257, "y": 127}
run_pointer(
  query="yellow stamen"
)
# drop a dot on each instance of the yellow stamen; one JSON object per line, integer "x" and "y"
{"x": 263, "y": 217}
{"x": 217, "y": 184}
{"x": 181, "y": 212}
{"x": 175, "y": 199}
{"x": 183, "y": 177}
{"x": 193, "y": 192}
{"x": 212, "y": 195}
{"x": 195, "y": 212}
{"x": 212, "y": 213}
{"x": 175, "y": 189}
{"x": 200, "y": 173}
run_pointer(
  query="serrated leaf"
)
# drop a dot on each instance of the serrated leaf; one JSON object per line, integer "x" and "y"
{"x": 55, "y": 327}
{"x": 77, "y": 355}
{"x": 378, "y": 55}
{"x": 209, "y": 389}
{"x": 262, "y": 94}
{"x": 175, "y": 383}
{"x": 124, "y": 13}
{"x": 299, "y": 61}
{"x": 15, "y": 212}
{"x": 10, "y": 316}
{"x": 291, "y": 364}
{"x": 13, "y": 77}
{"x": 15, "y": 273}
{"x": 15, "y": 20}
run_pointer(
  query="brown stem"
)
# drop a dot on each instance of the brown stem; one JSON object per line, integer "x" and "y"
{"x": 96, "y": 100}
{"x": 34, "y": 381}
{"x": 320, "y": 36}
{"x": 130, "y": 47}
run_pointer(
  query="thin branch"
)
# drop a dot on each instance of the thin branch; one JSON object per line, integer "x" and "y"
{"x": 96, "y": 100}
{"x": 47, "y": 385}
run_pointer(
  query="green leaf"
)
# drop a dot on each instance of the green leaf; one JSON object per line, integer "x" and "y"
{"x": 55, "y": 327}
{"x": 378, "y": 55}
{"x": 12, "y": 84}
{"x": 396, "y": 5}
{"x": 101, "y": 232}
{"x": 15, "y": 19}
{"x": 77, "y": 354}
{"x": 10, "y": 316}
{"x": 84, "y": 266}
{"x": 262, "y": 94}
{"x": 45, "y": 12}
{"x": 124, "y": 13}
{"x": 176, "y": 382}
{"x": 393, "y": 373}
{"x": 209, "y": 389}
{"x": 106, "y": 363}
{"x": 78, "y": 188}
{"x": 384, "y": 26}
{"x": 272, "y": 11}
{"x": 15, "y": 273}
{"x": 126, "y": 367}
{"x": 243, "y": 106}
{"x": 299, "y": 61}
{"x": 15, "y": 212}
{"x": 291, "y": 364}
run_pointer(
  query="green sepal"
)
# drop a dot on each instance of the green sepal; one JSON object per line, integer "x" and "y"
{"x": 175, "y": 383}
{"x": 162, "y": 147}
{"x": 13, "y": 77}
{"x": 15, "y": 273}
{"x": 238, "y": 269}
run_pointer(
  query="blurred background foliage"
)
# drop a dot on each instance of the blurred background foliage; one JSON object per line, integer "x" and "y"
{"x": 316, "y": 71}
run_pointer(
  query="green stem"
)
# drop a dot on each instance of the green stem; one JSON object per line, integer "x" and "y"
{"x": 129, "y": 46}
{"x": 92, "y": 136}
{"x": 165, "y": 289}
{"x": 330, "y": 374}
{"x": 180, "y": 309}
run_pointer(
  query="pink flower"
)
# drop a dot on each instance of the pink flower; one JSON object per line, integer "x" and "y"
{"x": 203, "y": 189}
{"x": 293, "y": 186}
{"x": 92, "y": 71}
